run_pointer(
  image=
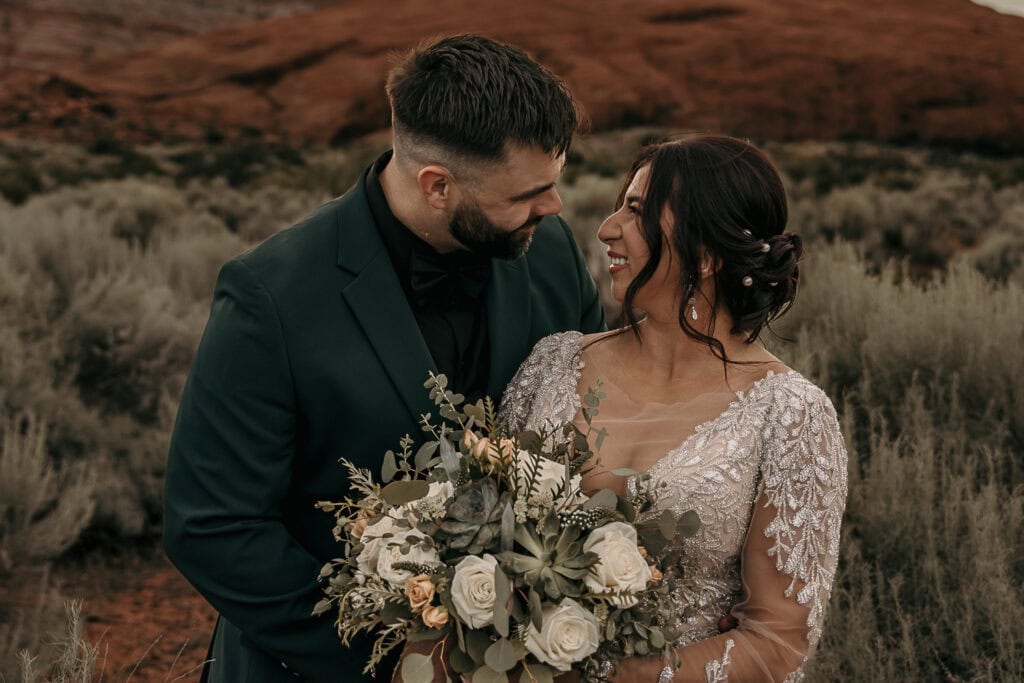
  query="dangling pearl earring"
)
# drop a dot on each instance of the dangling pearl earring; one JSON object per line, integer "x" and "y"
{"x": 693, "y": 308}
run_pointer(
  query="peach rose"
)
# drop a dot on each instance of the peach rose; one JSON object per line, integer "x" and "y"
{"x": 656, "y": 576}
{"x": 357, "y": 527}
{"x": 420, "y": 591}
{"x": 435, "y": 616}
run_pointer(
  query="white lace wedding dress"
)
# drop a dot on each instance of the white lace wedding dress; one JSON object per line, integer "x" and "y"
{"x": 767, "y": 476}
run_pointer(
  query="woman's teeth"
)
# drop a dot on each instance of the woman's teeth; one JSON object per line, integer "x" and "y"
{"x": 619, "y": 261}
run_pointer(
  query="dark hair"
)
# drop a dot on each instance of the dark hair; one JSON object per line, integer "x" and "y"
{"x": 728, "y": 202}
{"x": 471, "y": 95}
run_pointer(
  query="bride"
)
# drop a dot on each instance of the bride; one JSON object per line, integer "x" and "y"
{"x": 694, "y": 400}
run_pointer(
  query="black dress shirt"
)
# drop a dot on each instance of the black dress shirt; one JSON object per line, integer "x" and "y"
{"x": 445, "y": 292}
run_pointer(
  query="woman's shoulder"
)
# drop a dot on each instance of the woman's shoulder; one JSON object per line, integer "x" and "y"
{"x": 552, "y": 356}
{"x": 556, "y": 349}
{"x": 789, "y": 389}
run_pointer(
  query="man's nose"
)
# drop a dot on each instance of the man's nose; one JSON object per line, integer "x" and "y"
{"x": 549, "y": 204}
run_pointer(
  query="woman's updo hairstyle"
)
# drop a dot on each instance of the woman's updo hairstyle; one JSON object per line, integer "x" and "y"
{"x": 728, "y": 201}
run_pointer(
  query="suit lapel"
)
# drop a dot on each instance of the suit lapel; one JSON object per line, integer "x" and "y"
{"x": 508, "y": 321}
{"x": 377, "y": 301}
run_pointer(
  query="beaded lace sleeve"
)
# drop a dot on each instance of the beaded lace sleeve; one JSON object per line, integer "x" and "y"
{"x": 804, "y": 479}
{"x": 543, "y": 390}
{"x": 788, "y": 559}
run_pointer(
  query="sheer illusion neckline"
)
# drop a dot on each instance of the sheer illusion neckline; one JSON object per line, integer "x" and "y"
{"x": 742, "y": 396}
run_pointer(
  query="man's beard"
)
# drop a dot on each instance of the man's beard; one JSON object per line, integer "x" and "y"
{"x": 475, "y": 231}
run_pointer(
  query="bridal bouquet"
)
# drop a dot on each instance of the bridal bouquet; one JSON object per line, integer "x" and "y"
{"x": 483, "y": 542}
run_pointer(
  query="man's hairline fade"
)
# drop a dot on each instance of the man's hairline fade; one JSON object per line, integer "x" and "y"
{"x": 414, "y": 69}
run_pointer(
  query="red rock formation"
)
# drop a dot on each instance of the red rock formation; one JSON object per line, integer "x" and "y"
{"x": 788, "y": 69}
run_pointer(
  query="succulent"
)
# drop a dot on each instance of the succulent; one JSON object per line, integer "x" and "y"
{"x": 554, "y": 561}
{"x": 473, "y": 518}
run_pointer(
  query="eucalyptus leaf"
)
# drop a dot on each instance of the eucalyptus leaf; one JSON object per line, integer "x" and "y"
{"x": 389, "y": 468}
{"x": 536, "y": 611}
{"x": 460, "y": 661}
{"x": 624, "y": 472}
{"x": 393, "y": 612}
{"x": 627, "y": 509}
{"x": 402, "y": 492}
{"x": 417, "y": 668}
{"x": 605, "y": 498}
{"x": 689, "y": 524}
{"x": 601, "y": 436}
{"x": 424, "y": 454}
{"x": 537, "y": 673}
{"x": 477, "y": 643}
{"x": 530, "y": 441}
{"x": 508, "y": 527}
{"x": 657, "y": 638}
{"x": 502, "y": 596}
{"x": 427, "y": 634}
{"x": 501, "y": 655}
{"x": 486, "y": 674}
{"x": 667, "y": 525}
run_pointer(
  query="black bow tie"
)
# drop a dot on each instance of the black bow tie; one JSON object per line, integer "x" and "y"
{"x": 442, "y": 282}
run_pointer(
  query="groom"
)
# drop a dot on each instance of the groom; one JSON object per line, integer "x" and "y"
{"x": 448, "y": 256}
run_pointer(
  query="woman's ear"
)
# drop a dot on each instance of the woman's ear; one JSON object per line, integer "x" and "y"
{"x": 709, "y": 266}
{"x": 435, "y": 185}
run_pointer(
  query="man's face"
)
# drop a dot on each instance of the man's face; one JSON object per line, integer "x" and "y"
{"x": 498, "y": 216}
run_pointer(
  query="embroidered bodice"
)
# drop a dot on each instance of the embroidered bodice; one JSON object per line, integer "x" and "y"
{"x": 768, "y": 478}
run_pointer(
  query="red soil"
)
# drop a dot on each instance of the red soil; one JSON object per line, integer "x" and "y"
{"x": 149, "y": 623}
{"x": 906, "y": 69}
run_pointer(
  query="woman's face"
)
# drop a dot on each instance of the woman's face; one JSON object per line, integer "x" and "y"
{"x": 623, "y": 233}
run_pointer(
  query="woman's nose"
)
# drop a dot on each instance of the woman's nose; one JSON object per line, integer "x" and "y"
{"x": 609, "y": 230}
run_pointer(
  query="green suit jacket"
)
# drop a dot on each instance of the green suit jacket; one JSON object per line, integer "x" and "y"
{"x": 312, "y": 353}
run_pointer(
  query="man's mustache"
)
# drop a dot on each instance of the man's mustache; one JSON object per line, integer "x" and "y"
{"x": 532, "y": 222}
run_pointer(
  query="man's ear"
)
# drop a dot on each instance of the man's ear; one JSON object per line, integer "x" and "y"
{"x": 436, "y": 185}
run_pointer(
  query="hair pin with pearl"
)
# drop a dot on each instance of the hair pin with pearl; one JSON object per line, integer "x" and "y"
{"x": 747, "y": 281}
{"x": 765, "y": 247}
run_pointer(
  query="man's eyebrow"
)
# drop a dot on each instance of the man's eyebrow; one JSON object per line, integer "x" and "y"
{"x": 532, "y": 193}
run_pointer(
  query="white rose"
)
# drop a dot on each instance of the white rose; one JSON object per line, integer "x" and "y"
{"x": 569, "y": 635}
{"x": 373, "y": 543}
{"x": 620, "y": 566}
{"x": 391, "y": 554}
{"x": 548, "y": 479}
{"x": 379, "y": 553}
{"x": 473, "y": 590}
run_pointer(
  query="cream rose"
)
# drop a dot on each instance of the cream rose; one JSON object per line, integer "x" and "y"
{"x": 569, "y": 634}
{"x": 391, "y": 554}
{"x": 473, "y": 590}
{"x": 620, "y": 566}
